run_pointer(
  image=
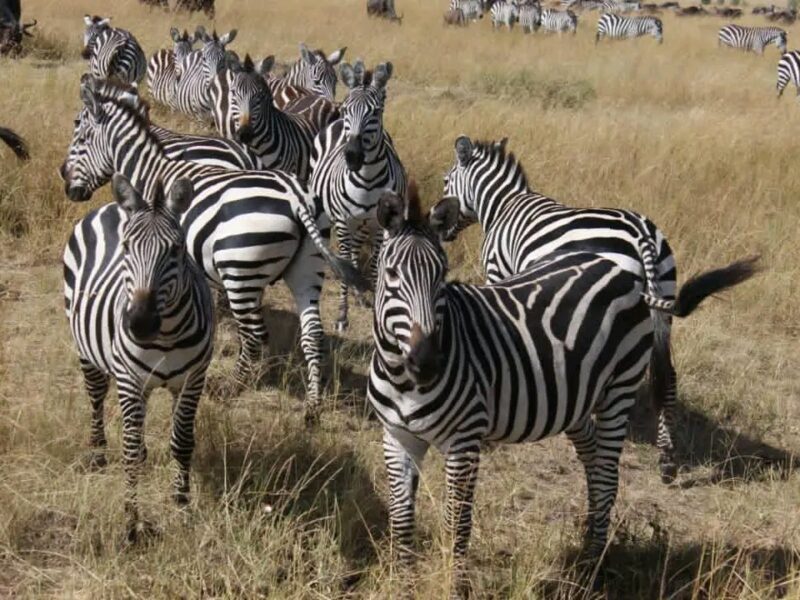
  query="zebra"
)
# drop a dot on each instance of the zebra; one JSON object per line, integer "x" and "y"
{"x": 558, "y": 21}
{"x": 529, "y": 17}
{"x": 789, "y": 70}
{"x": 353, "y": 162}
{"x": 529, "y": 357}
{"x": 503, "y": 12}
{"x": 14, "y": 141}
{"x": 620, "y": 6}
{"x": 753, "y": 39}
{"x": 521, "y": 226}
{"x": 164, "y": 67}
{"x": 618, "y": 27}
{"x": 243, "y": 110}
{"x": 140, "y": 311}
{"x": 246, "y": 229}
{"x": 472, "y": 9}
{"x": 192, "y": 93}
{"x": 112, "y": 52}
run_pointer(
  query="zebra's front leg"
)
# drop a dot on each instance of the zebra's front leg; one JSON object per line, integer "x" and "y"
{"x": 461, "y": 468}
{"x": 96, "y": 383}
{"x": 347, "y": 252}
{"x": 182, "y": 440}
{"x": 132, "y": 405}
{"x": 584, "y": 439}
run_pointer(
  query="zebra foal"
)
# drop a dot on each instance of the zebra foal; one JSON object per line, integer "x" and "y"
{"x": 752, "y": 39}
{"x": 618, "y": 27}
{"x": 561, "y": 347}
{"x": 112, "y": 52}
{"x": 140, "y": 311}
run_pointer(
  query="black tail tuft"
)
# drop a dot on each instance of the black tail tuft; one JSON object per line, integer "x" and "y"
{"x": 15, "y": 142}
{"x": 699, "y": 287}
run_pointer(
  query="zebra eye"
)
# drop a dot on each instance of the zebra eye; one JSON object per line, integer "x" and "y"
{"x": 392, "y": 276}
{"x": 124, "y": 245}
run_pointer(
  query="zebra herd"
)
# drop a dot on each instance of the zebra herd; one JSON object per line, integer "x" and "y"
{"x": 576, "y": 309}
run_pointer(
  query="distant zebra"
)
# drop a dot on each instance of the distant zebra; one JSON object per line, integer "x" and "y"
{"x": 503, "y": 12}
{"x": 246, "y": 229}
{"x": 618, "y": 27}
{"x": 558, "y": 21}
{"x": 472, "y": 9}
{"x": 620, "y": 6}
{"x": 353, "y": 163}
{"x": 561, "y": 347}
{"x": 15, "y": 142}
{"x": 198, "y": 68}
{"x": 140, "y": 311}
{"x": 789, "y": 70}
{"x": 529, "y": 17}
{"x": 164, "y": 67}
{"x": 753, "y": 39}
{"x": 112, "y": 52}
{"x": 243, "y": 110}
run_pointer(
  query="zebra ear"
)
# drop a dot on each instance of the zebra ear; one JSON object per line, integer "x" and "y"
{"x": 174, "y": 34}
{"x": 104, "y": 22}
{"x": 335, "y": 57}
{"x": 391, "y": 213}
{"x": 265, "y": 66}
{"x": 88, "y": 20}
{"x": 306, "y": 54}
{"x": 444, "y": 216}
{"x": 228, "y": 37}
{"x": 89, "y": 100}
{"x": 463, "y": 150}
{"x": 382, "y": 74}
{"x": 348, "y": 75}
{"x": 180, "y": 196}
{"x": 127, "y": 196}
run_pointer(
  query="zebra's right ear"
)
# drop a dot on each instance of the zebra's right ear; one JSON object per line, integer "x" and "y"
{"x": 181, "y": 195}
{"x": 265, "y": 65}
{"x": 348, "y": 75}
{"x": 463, "y": 150}
{"x": 391, "y": 213}
{"x": 127, "y": 196}
{"x": 444, "y": 216}
{"x": 228, "y": 37}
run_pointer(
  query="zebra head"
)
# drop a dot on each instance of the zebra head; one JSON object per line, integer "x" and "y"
{"x": 409, "y": 296}
{"x": 780, "y": 42}
{"x": 153, "y": 254}
{"x": 182, "y": 43}
{"x": 94, "y": 26}
{"x": 362, "y": 110}
{"x": 249, "y": 96}
{"x": 214, "y": 48}
{"x": 90, "y": 159}
{"x": 657, "y": 30}
{"x": 316, "y": 72}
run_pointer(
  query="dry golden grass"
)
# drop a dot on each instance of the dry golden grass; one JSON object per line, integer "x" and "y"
{"x": 689, "y": 134}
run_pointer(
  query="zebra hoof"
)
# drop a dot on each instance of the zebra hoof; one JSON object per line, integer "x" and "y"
{"x": 342, "y": 325}
{"x": 669, "y": 472}
{"x": 140, "y": 532}
{"x": 311, "y": 418}
{"x": 142, "y": 454}
{"x": 97, "y": 461}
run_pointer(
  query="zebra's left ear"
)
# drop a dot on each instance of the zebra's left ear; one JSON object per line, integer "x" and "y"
{"x": 306, "y": 54}
{"x": 391, "y": 213}
{"x": 127, "y": 196}
{"x": 180, "y": 196}
{"x": 228, "y": 37}
{"x": 348, "y": 75}
{"x": 335, "y": 57}
{"x": 265, "y": 65}
{"x": 382, "y": 74}
{"x": 444, "y": 216}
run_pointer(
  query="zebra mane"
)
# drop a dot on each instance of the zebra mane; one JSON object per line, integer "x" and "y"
{"x": 504, "y": 157}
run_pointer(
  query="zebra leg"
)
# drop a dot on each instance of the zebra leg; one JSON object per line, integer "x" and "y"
{"x": 304, "y": 278}
{"x": 132, "y": 404}
{"x": 253, "y": 336}
{"x": 583, "y": 436}
{"x": 403, "y": 454}
{"x": 666, "y": 427}
{"x": 182, "y": 440}
{"x": 346, "y": 251}
{"x": 461, "y": 468}
{"x": 96, "y": 383}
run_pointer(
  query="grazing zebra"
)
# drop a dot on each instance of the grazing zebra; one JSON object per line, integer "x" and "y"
{"x": 524, "y": 359}
{"x": 140, "y": 311}
{"x": 164, "y": 67}
{"x": 753, "y": 39}
{"x": 558, "y": 21}
{"x": 529, "y": 17}
{"x": 353, "y": 163}
{"x": 789, "y": 70}
{"x": 617, "y": 27}
{"x": 246, "y": 229}
{"x": 198, "y": 68}
{"x": 503, "y": 12}
{"x": 112, "y": 52}
{"x": 472, "y": 9}
{"x": 521, "y": 227}
{"x": 243, "y": 110}
{"x": 15, "y": 142}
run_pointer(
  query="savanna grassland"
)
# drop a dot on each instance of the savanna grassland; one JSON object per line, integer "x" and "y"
{"x": 684, "y": 132}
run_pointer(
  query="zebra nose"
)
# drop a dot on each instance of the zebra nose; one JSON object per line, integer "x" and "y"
{"x": 354, "y": 153}
{"x": 424, "y": 360}
{"x": 142, "y": 318}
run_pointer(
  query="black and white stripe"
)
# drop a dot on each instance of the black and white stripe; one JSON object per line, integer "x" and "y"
{"x": 503, "y": 12}
{"x": 529, "y": 17}
{"x": 789, "y": 71}
{"x": 618, "y": 27}
{"x": 140, "y": 311}
{"x": 246, "y": 229}
{"x": 353, "y": 163}
{"x": 164, "y": 67}
{"x": 561, "y": 347}
{"x": 620, "y": 6}
{"x": 753, "y": 39}
{"x": 471, "y": 9}
{"x": 558, "y": 21}
{"x": 112, "y": 52}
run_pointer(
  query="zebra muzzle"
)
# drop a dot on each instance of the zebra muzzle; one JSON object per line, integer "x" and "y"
{"x": 244, "y": 133}
{"x": 141, "y": 318}
{"x": 424, "y": 360}
{"x": 354, "y": 153}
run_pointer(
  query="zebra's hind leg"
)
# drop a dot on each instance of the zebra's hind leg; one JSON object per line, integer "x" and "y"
{"x": 246, "y": 308}
{"x": 584, "y": 439}
{"x": 97, "y": 384}
{"x": 666, "y": 427}
{"x": 182, "y": 440}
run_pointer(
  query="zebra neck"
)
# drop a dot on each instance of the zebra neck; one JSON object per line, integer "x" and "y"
{"x": 141, "y": 161}
{"x": 492, "y": 201}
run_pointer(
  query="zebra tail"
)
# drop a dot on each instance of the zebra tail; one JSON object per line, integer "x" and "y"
{"x": 15, "y": 142}
{"x": 342, "y": 269}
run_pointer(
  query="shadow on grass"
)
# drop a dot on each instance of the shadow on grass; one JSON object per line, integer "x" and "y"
{"x": 733, "y": 456}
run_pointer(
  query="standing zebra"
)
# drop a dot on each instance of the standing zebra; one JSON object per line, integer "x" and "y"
{"x": 618, "y": 27}
{"x": 561, "y": 347}
{"x": 620, "y": 6}
{"x": 353, "y": 163}
{"x": 789, "y": 70}
{"x": 164, "y": 67}
{"x": 246, "y": 229}
{"x": 198, "y": 68}
{"x": 529, "y": 17}
{"x": 472, "y": 9}
{"x": 558, "y": 21}
{"x": 140, "y": 311}
{"x": 521, "y": 227}
{"x": 112, "y": 52}
{"x": 503, "y": 12}
{"x": 15, "y": 142}
{"x": 243, "y": 110}
{"x": 753, "y": 39}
